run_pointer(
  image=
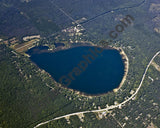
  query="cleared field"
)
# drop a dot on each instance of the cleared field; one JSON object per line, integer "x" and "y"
{"x": 156, "y": 66}
{"x": 24, "y": 47}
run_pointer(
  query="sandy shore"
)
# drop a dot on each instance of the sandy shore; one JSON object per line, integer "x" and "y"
{"x": 126, "y": 67}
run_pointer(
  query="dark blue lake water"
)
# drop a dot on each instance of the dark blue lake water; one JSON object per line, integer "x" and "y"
{"x": 86, "y": 69}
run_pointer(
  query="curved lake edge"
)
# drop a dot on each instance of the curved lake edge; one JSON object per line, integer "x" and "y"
{"x": 124, "y": 59}
{"x": 126, "y": 67}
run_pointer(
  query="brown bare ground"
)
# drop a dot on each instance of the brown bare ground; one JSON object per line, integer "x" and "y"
{"x": 157, "y": 67}
{"x": 24, "y": 47}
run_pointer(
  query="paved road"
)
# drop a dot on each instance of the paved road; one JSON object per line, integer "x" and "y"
{"x": 118, "y": 9}
{"x": 110, "y": 107}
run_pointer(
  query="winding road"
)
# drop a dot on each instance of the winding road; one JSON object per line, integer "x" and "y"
{"x": 110, "y": 107}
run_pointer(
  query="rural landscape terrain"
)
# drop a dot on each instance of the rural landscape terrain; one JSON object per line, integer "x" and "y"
{"x": 31, "y": 98}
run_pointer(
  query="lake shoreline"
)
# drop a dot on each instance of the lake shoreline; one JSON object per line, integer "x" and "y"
{"x": 124, "y": 59}
{"x": 126, "y": 67}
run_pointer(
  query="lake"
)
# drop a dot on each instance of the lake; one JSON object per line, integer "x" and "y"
{"x": 87, "y": 69}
